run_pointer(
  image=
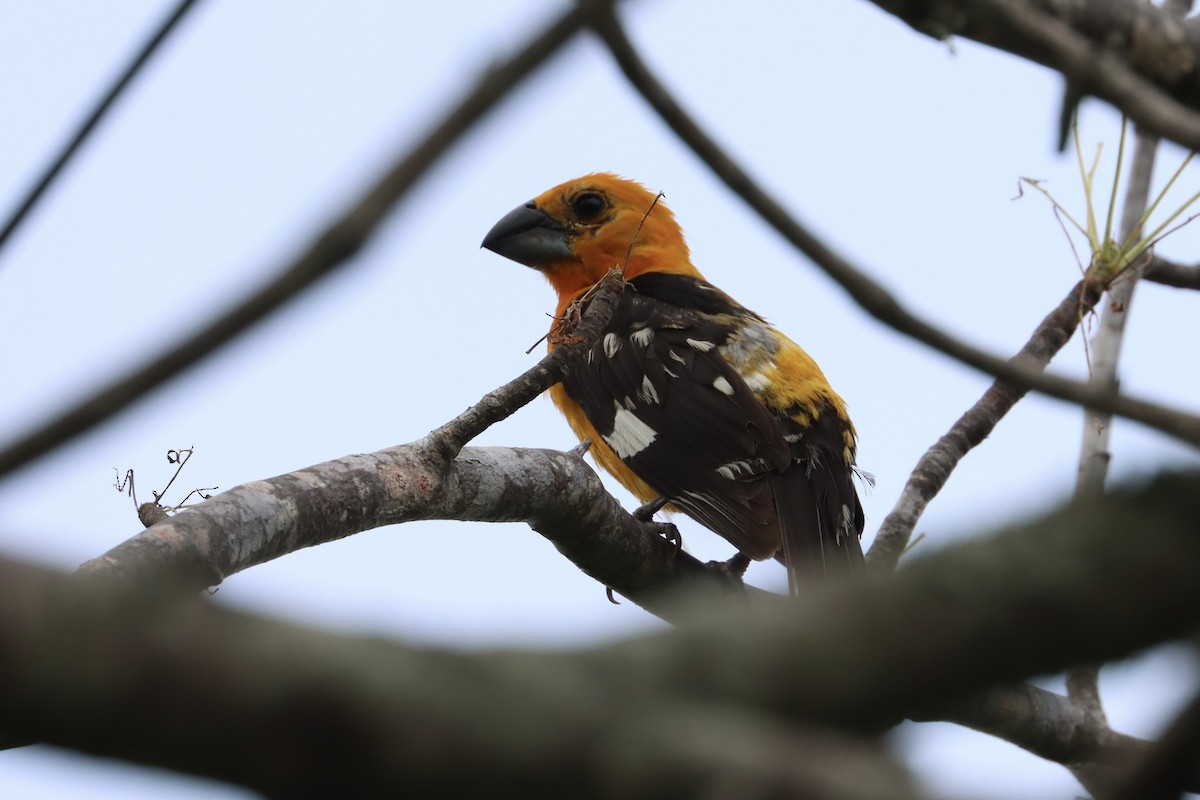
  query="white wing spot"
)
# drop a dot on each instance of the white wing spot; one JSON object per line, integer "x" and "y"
{"x": 735, "y": 470}
{"x": 676, "y": 356}
{"x": 642, "y": 336}
{"x": 721, "y": 385}
{"x": 846, "y": 529}
{"x": 648, "y": 393}
{"x": 792, "y": 438}
{"x": 757, "y": 382}
{"x": 611, "y": 344}
{"x": 701, "y": 345}
{"x": 672, "y": 374}
{"x": 630, "y": 435}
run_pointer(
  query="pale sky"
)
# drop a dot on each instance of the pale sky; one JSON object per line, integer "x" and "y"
{"x": 260, "y": 120}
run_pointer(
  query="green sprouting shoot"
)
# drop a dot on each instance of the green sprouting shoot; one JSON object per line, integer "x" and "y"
{"x": 1108, "y": 255}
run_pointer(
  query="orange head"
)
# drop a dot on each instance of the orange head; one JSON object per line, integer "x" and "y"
{"x": 579, "y": 230}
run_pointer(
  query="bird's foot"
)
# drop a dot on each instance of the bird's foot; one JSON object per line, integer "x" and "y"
{"x": 608, "y": 592}
{"x": 645, "y": 513}
{"x": 668, "y": 531}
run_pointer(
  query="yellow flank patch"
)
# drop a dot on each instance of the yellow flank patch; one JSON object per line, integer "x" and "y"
{"x": 796, "y": 380}
{"x": 601, "y": 452}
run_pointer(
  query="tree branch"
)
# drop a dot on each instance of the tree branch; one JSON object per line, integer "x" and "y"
{"x": 1140, "y": 58}
{"x": 1167, "y": 768}
{"x": 495, "y": 406}
{"x": 1083, "y": 681}
{"x": 292, "y": 712}
{"x": 969, "y": 430}
{"x": 869, "y": 294}
{"x": 122, "y": 671}
{"x": 556, "y": 493}
{"x": 1169, "y": 273}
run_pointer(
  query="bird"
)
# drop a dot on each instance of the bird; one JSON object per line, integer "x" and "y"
{"x": 687, "y": 397}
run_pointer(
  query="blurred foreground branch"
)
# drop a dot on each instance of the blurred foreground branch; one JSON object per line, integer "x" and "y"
{"x": 114, "y": 672}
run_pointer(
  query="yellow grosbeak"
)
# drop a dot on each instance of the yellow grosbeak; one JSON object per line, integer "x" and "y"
{"x": 688, "y": 395}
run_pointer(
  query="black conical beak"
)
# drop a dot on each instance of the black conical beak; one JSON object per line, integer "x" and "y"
{"x": 529, "y": 236}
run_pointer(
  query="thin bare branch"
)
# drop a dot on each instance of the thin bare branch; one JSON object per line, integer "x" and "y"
{"x": 450, "y": 438}
{"x": 969, "y": 430}
{"x": 93, "y": 119}
{"x": 869, "y": 294}
{"x": 329, "y": 251}
{"x": 1169, "y": 273}
{"x": 1083, "y": 681}
{"x": 1106, "y": 344}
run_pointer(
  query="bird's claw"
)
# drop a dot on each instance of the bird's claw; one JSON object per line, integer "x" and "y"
{"x": 668, "y": 531}
{"x": 609, "y": 593}
{"x": 645, "y": 514}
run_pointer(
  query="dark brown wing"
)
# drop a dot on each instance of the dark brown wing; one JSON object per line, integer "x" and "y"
{"x": 682, "y": 418}
{"x": 820, "y": 514}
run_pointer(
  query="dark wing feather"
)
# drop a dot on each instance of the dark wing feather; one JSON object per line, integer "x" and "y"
{"x": 681, "y": 417}
{"x": 820, "y": 512}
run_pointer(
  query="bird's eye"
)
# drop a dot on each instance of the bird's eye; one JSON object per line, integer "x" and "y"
{"x": 588, "y": 205}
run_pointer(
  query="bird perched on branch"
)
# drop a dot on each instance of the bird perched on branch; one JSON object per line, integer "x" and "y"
{"x": 688, "y": 396}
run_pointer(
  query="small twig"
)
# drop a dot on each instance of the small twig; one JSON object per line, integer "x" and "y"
{"x": 638, "y": 230}
{"x": 199, "y": 491}
{"x": 447, "y": 440}
{"x": 179, "y": 457}
{"x": 125, "y": 485}
{"x": 93, "y": 119}
{"x": 152, "y": 513}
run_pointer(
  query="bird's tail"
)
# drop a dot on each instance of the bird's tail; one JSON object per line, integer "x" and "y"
{"x": 820, "y": 520}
